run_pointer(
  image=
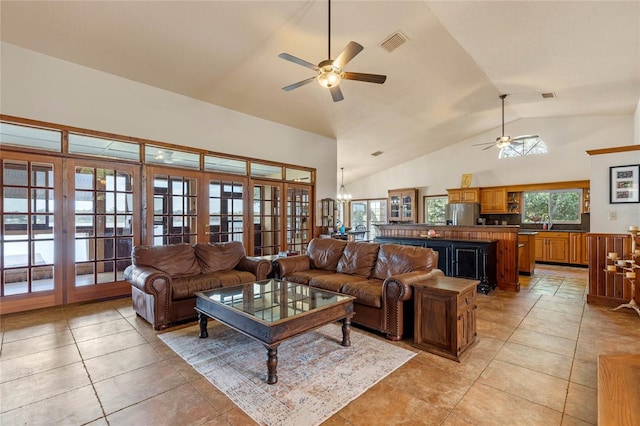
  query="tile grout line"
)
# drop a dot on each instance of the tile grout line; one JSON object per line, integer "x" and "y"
{"x": 488, "y": 364}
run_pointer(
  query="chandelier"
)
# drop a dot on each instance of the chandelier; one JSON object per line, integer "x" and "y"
{"x": 343, "y": 195}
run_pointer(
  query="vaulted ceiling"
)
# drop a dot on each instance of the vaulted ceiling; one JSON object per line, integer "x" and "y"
{"x": 443, "y": 83}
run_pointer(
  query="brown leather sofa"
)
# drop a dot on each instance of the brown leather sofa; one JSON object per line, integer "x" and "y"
{"x": 164, "y": 279}
{"x": 380, "y": 276}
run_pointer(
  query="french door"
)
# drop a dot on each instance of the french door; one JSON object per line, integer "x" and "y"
{"x": 31, "y": 241}
{"x": 191, "y": 207}
{"x": 104, "y": 214}
{"x": 299, "y": 217}
{"x": 267, "y": 219}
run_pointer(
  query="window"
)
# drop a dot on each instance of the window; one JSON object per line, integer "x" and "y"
{"x": 434, "y": 209}
{"x": 101, "y": 147}
{"x": 561, "y": 206}
{"x": 531, "y": 145}
{"x": 30, "y": 137}
{"x": 368, "y": 213}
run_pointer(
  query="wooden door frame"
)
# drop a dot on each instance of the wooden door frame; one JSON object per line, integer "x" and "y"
{"x": 55, "y": 297}
{"x": 75, "y": 294}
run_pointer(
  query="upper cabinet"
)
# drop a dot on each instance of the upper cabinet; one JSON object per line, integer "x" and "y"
{"x": 464, "y": 195}
{"x": 493, "y": 200}
{"x": 586, "y": 200}
{"x": 513, "y": 202}
{"x": 402, "y": 205}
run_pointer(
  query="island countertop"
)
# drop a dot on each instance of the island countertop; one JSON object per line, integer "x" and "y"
{"x": 508, "y": 277}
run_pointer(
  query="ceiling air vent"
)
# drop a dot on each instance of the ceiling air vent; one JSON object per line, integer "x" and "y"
{"x": 394, "y": 41}
{"x": 375, "y": 154}
{"x": 549, "y": 95}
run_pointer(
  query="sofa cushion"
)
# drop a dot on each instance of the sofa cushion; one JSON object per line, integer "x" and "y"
{"x": 303, "y": 277}
{"x": 333, "y": 282}
{"x": 185, "y": 287}
{"x": 176, "y": 260}
{"x": 358, "y": 259}
{"x": 367, "y": 292}
{"x": 324, "y": 253}
{"x": 395, "y": 259}
{"x": 214, "y": 257}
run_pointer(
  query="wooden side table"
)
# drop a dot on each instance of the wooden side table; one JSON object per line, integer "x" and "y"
{"x": 445, "y": 316}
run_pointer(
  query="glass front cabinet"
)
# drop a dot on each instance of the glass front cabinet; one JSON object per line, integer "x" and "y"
{"x": 402, "y": 205}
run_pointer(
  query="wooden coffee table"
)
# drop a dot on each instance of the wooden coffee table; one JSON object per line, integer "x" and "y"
{"x": 273, "y": 311}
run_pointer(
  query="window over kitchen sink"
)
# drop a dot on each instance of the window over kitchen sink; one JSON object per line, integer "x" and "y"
{"x": 554, "y": 206}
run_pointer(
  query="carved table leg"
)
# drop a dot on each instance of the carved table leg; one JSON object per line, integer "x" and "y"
{"x": 346, "y": 331}
{"x": 202, "y": 319}
{"x": 272, "y": 365}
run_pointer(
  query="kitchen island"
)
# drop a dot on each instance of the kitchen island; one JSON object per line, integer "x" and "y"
{"x": 505, "y": 239}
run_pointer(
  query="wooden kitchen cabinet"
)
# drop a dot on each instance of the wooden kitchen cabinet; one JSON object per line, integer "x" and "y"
{"x": 464, "y": 195}
{"x": 513, "y": 202}
{"x": 526, "y": 255}
{"x": 493, "y": 200}
{"x": 552, "y": 247}
{"x": 578, "y": 248}
{"x": 403, "y": 205}
{"x": 445, "y": 316}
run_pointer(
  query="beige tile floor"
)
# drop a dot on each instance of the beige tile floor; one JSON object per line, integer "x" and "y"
{"x": 534, "y": 364}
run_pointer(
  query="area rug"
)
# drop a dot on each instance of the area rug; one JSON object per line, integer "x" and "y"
{"x": 316, "y": 375}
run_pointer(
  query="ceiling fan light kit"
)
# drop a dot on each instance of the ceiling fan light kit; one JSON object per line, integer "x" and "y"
{"x": 330, "y": 72}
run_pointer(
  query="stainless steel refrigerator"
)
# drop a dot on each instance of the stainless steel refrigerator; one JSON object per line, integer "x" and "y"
{"x": 462, "y": 214}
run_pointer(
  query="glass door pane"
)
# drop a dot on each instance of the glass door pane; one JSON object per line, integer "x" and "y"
{"x": 377, "y": 216}
{"x": 226, "y": 211}
{"x": 267, "y": 228}
{"x": 174, "y": 217}
{"x": 30, "y": 216}
{"x": 298, "y": 218}
{"x": 105, "y": 214}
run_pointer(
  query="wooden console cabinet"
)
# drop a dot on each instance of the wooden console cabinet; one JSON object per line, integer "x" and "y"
{"x": 445, "y": 316}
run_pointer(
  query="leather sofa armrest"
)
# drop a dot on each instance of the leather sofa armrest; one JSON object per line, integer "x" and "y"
{"x": 148, "y": 279}
{"x": 258, "y": 267}
{"x": 284, "y": 266}
{"x": 400, "y": 287}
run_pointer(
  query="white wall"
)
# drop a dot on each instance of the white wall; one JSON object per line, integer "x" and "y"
{"x": 44, "y": 88}
{"x": 636, "y": 126}
{"x": 606, "y": 217}
{"x": 567, "y": 139}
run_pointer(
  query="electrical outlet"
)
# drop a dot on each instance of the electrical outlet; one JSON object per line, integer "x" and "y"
{"x": 613, "y": 215}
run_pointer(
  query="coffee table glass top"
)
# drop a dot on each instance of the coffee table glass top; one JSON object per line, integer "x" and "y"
{"x": 273, "y": 300}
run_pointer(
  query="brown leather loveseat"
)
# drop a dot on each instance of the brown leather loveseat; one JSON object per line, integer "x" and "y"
{"x": 164, "y": 279}
{"x": 380, "y": 276}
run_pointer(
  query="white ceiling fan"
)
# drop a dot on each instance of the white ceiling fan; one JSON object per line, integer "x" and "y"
{"x": 504, "y": 141}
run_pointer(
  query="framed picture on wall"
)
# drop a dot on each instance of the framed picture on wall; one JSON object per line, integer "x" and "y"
{"x": 624, "y": 184}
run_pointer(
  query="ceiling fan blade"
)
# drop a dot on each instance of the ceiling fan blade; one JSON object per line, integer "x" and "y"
{"x": 484, "y": 143}
{"x": 489, "y": 147}
{"x": 298, "y": 84}
{"x": 298, "y": 61}
{"x": 347, "y": 54}
{"x": 517, "y": 138}
{"x": 369, "y": 78}
{"x": 336, "y": 93}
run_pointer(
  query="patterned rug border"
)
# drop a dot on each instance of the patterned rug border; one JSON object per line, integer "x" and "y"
{"x": 306, "y": 396}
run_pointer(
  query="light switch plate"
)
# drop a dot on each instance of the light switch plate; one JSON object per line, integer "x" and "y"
{"x": 613, "y": 215}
